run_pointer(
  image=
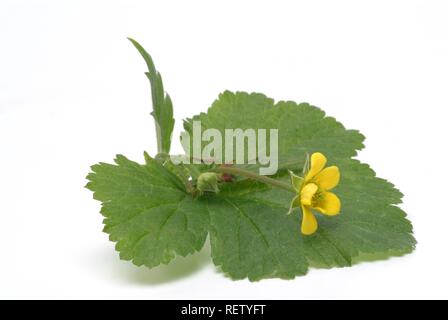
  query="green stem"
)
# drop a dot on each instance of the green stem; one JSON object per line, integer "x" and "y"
{"x": 256, "y": 177}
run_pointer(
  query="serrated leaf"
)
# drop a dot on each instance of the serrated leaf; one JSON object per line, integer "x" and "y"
{"x": 302, "y": 128}
{"x": 369, "y": 222}
{"x": 147, "y": 211}
{"x": 152, "y": 217}
{"x": 253, "y": 238}
{"x": 161, "y": 102}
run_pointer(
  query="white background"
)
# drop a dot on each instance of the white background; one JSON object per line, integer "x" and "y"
{"x": 73, "y": 93}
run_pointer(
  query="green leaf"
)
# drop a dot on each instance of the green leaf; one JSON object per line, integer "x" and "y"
{"x": 254, "y": 238}
{"x": 369, "y": 222}
{"x": 302, "y": 128}
{"x": 151, "y": 215}
{"x": 147, "y": 211}
{"x": 161, "y": 102}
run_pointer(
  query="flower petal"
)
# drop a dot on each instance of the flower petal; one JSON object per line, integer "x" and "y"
{"x": 318, "y": 162}
{"x": 296, "y": 181}
{"x": 307, "y": 193}
{"x": 329, "y": 204}
{"x": 309, "y": 222}
{"x": 295, "y": 203}
{"x": 328, "y": 178}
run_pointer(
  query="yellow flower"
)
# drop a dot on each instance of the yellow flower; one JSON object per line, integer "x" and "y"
{"x": 313, "y": 192}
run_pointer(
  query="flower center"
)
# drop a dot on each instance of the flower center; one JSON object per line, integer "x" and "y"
{"x": 307, "y": 193}
{"x": 318, "y": 195}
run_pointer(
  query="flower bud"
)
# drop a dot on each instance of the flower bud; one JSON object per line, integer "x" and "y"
{"x": 208, "y": 181}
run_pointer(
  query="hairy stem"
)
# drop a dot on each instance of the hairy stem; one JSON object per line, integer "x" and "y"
{"x": 254, "y": 176}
